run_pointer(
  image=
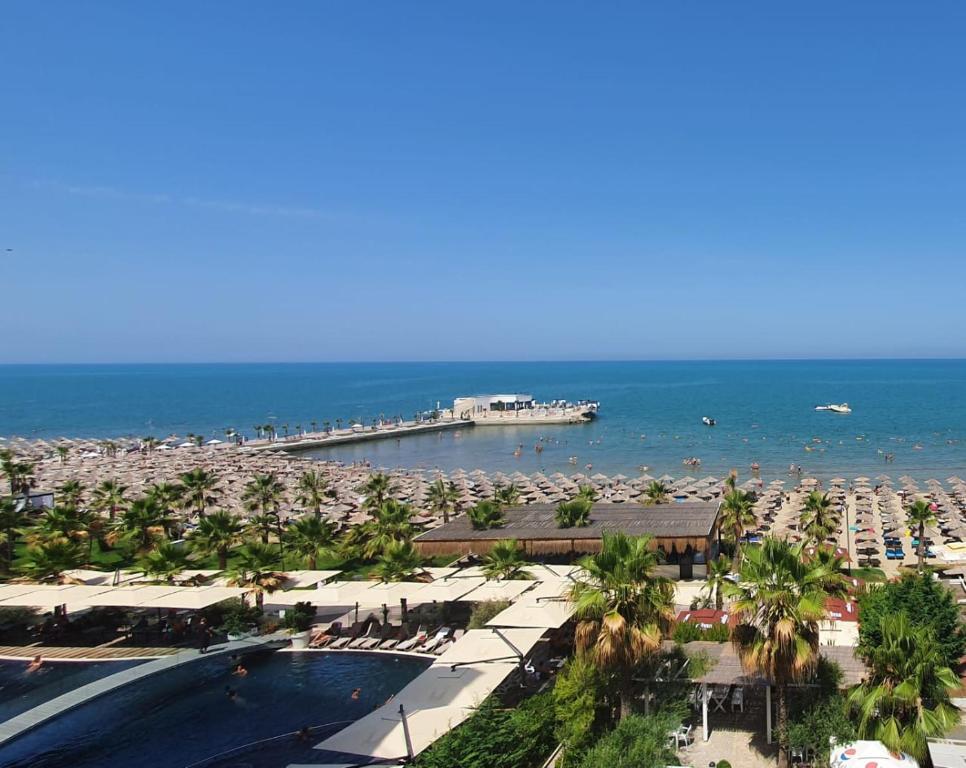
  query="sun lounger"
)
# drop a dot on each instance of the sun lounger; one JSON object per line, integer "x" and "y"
{"x": 440, "y": 649}
{"x": 360, "y": 641}
{"x": 387, "y": 645}
{"x": 341, "y": 642}
{"x": 406, "y": 645}
{"x": 370, "y": 643}
{"x": 430, "y": 645}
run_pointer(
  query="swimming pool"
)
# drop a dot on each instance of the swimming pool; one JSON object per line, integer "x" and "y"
{"x": 180, "y": 717}
{"x": 21, "y": 690}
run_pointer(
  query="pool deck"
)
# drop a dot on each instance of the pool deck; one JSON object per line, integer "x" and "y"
{"x": 80, "y": 653}
{"x": 40, "y": 714}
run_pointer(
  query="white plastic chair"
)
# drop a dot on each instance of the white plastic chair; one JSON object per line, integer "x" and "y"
{"x": 738, "y": 700}
{"x": 683, "y": 734}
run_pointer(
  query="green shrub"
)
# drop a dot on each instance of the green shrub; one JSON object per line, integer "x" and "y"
{"x": 299, "y": 618}
{"x": 819, "y": 721}
{"x": 686, "y": 632}
{"x": 577, "y": 697}
{"x": 637, "y": 742}
{"x": 497, "y": 738}
{"x": 484, "y": 611}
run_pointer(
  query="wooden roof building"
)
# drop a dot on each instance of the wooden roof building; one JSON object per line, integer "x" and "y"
{"x": 685, "y": 532}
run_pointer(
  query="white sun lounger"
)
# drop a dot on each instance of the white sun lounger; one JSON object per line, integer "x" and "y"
{"x": 412, "y": 642}
{"x": 360, "y": 641}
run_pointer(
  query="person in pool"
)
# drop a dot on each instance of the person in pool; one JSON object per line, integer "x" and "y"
{"x": 240, "y": 671}
{"x": 356, "y": 694}
{"x": 35, "y": 664}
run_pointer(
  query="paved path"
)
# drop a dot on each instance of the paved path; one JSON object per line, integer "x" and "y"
{"x": 30, "y": 719}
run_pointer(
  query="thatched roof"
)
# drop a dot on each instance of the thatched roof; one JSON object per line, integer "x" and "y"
{"x": 537, "y": 522}
{"x": 726, "y": 668}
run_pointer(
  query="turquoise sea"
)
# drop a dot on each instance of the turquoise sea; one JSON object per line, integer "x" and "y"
{"x": 650, "y": 411}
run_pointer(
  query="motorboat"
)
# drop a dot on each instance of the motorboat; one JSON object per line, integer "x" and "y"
{"x": 834, "y": 408}
{"x": 707, "y": 421}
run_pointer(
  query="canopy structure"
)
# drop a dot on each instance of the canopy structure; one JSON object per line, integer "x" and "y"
{"x": 145, "y": 596}
{"x": 300, "y": 579}
{"x": 545, "y": 606}
{"x": 869, "y": 754}
{"x": 499, "y": 590}
{"x": 54, "y": 595}
{"x": 439, "y": 699}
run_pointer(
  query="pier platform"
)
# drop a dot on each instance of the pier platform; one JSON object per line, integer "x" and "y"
{"x": 405, "y": 429}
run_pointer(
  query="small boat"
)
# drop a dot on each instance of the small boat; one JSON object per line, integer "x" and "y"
{"x": 707, "y": 421}
{"x": 834, "y": 408}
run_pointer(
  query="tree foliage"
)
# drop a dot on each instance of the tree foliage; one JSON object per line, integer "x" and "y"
{"x": 637, "y": 742}
{"x": 925, "y": 601}
{"x": 578, "y": 696}
{"x": 497, "y": 738}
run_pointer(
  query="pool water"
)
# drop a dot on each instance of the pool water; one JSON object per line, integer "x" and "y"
{"x": 183, "y": 716}
{"x": 21, "y": 690}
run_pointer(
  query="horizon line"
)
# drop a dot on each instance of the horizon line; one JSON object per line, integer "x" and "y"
{"x": 516, "y": 361}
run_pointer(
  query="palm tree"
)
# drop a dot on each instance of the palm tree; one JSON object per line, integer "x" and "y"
{"x": 442, "y": 497}
{"x": 57, "y": 524}
{"x": 573, "y": 514}
{"x": 254, "y": 569}
{"x": 905, "y": 699}
{"x": 623, "y": 609}
{"x": 63, "y": 451}
{"x": 261, "y": 526}
{"x": 485, "y": 515}
{"x": 313, "y": 489}
{"x": 144, "y": 520}
{"x": 505, "y": 560}
{"x": 391, "y": 522}
{"x": 779, "y": 600}
{"x": 921, "y": 514}
{"x": 736, "y": 518}
{"x": 216, "y": 534}
{"x": 311, "y": 538}
{"x": 167, "y": 495}
{"x": 165, "y": 562}
{"x": 20, "y": 474}
{"x": 377, "y": 489}
{"x": 399, "y": 561}
{"x": 264, "y": 494}
{"x": 587, "y": 492}
{"x": 719, "y": 570}
{"x": 12, "y": 519}
{"x": 656, "y": 492}
{"x": 109, "y": 497}
{"x": 71, "y": 493}
{"x": 200, "y": 490}
{"x": 50, "y": 559}
{"x": 508, "y": 495}
{"x": 818, "y": 520}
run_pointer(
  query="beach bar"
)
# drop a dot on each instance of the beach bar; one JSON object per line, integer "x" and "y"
{"x": 686, "y": 533}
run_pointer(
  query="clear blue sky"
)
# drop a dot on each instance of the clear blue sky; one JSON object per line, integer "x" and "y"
{"x": 186, "y": 181}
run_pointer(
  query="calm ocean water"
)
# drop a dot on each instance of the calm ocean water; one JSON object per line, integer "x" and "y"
{"x": 651, "y": 411}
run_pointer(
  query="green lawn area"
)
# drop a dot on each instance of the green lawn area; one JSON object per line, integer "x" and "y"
{"x": 869, "y": 574}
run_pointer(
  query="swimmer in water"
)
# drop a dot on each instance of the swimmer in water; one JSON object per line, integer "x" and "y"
{"x": 240, "y": 671}
{"x": 35, "y": 664}
{"x": 356, "y": 694}
{"x": 230, "y": 692}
